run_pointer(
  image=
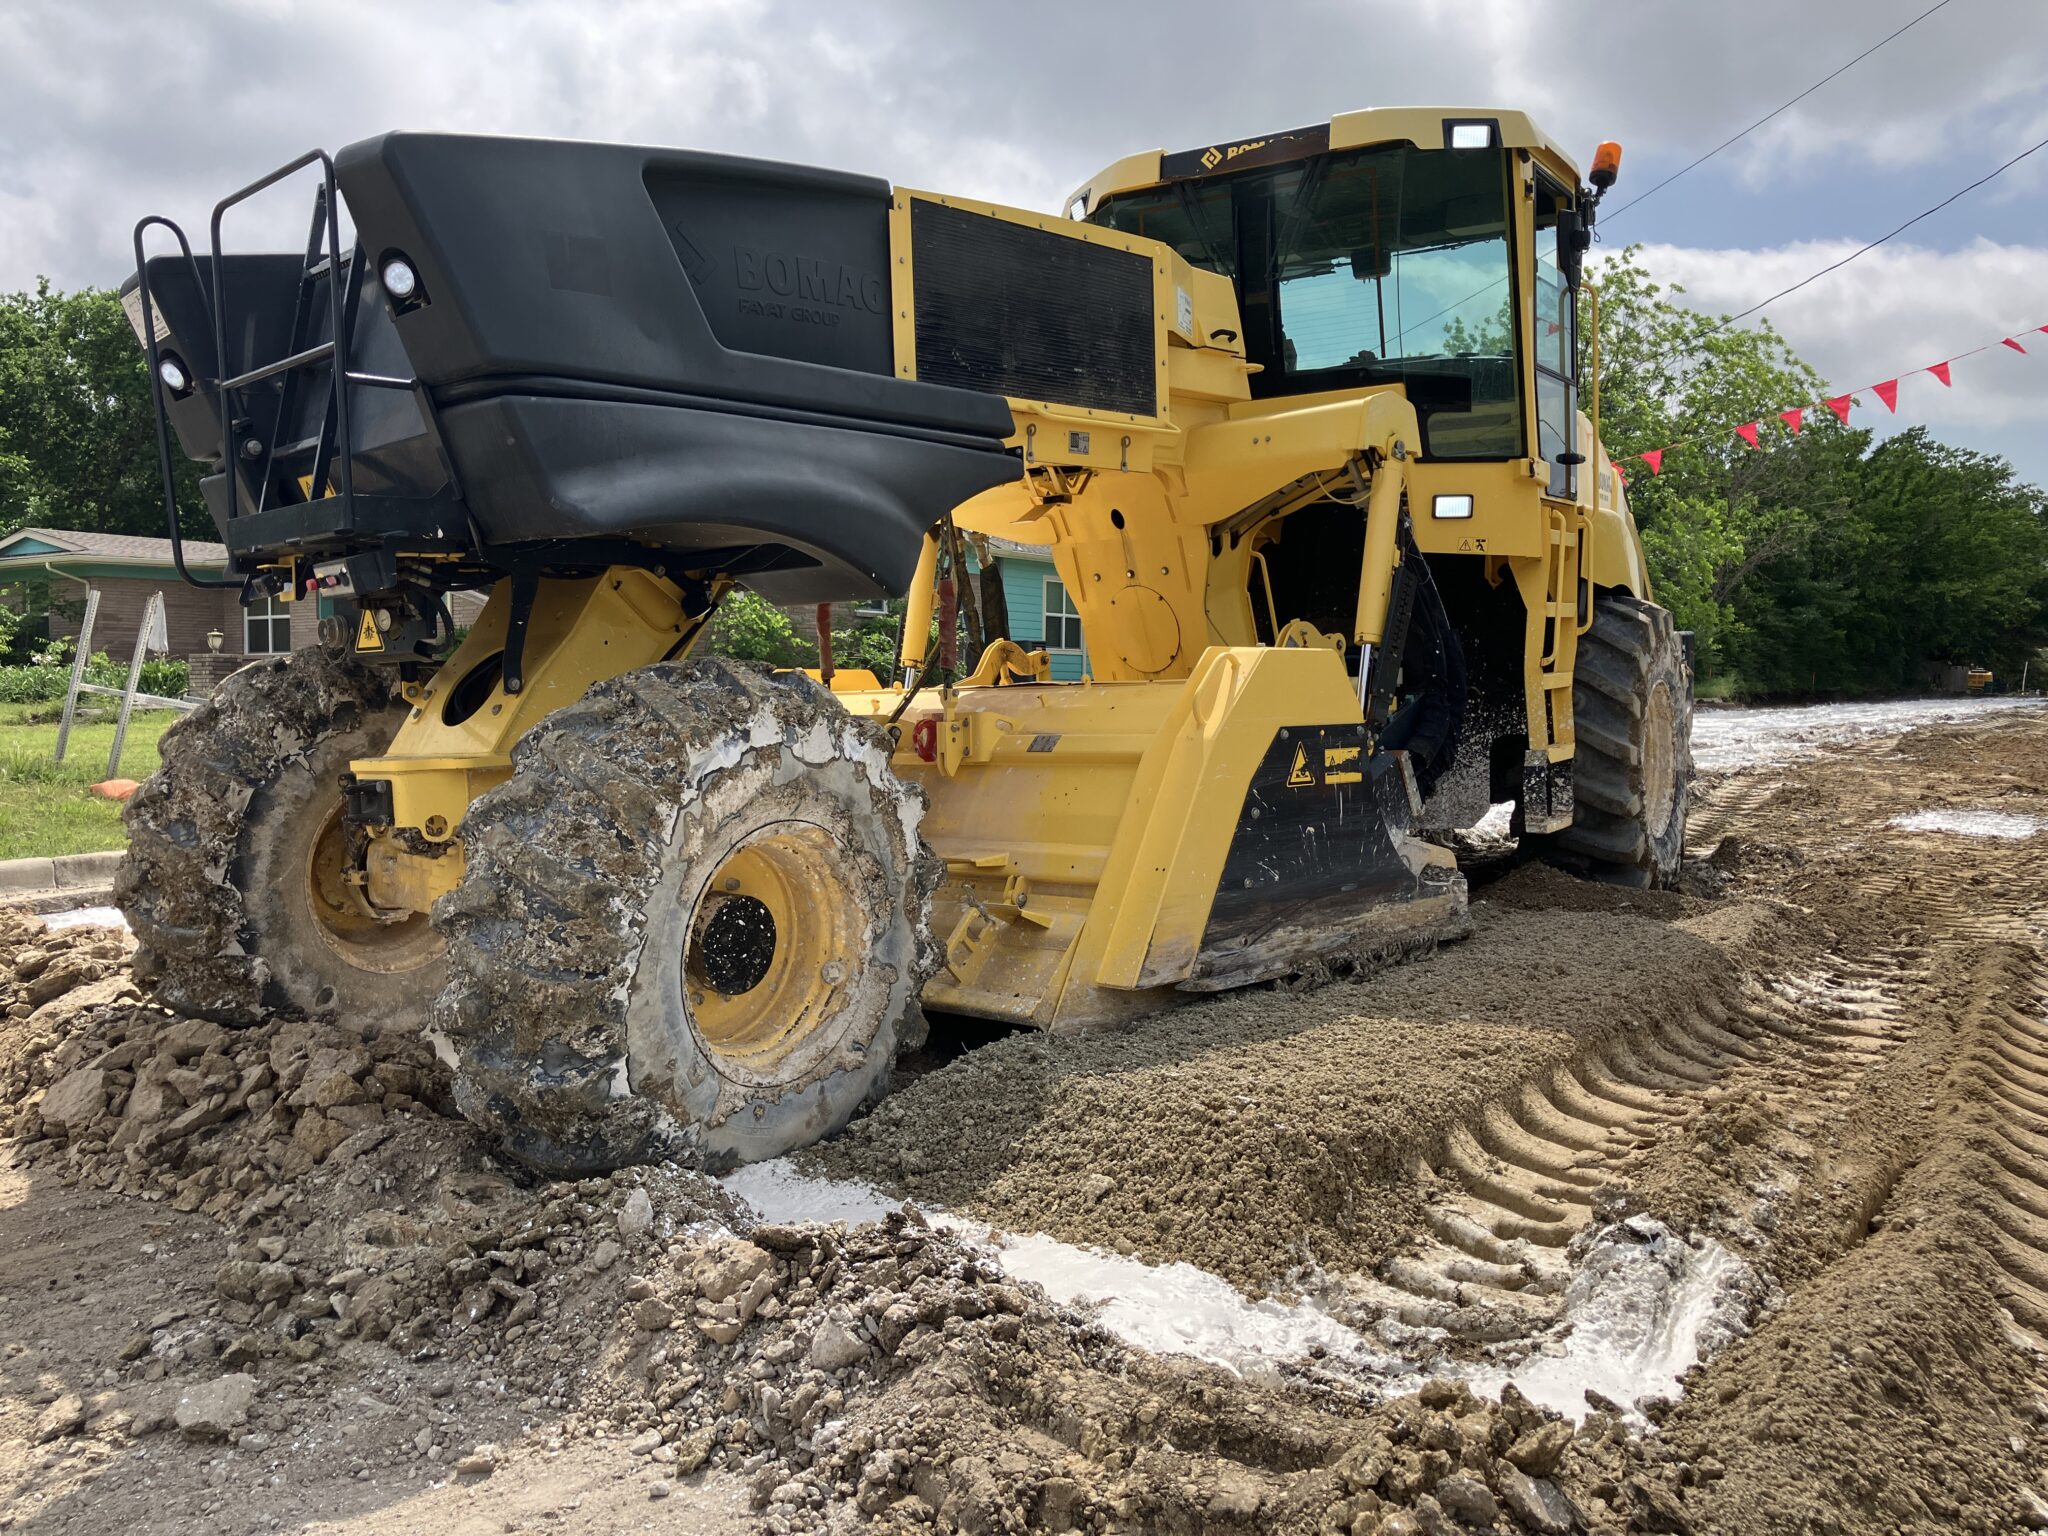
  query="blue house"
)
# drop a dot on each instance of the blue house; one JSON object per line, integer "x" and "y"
{"x": 1042, "y": 612}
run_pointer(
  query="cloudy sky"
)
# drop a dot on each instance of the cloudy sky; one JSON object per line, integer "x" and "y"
{"x": 112, "y": 108}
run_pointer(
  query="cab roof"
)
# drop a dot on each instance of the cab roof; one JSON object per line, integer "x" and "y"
{"x": 1423, "y": 127}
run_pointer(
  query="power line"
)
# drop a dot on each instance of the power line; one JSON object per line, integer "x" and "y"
{"x": 1835, "y": 266}
{"x": 1609, "y": 218}
{"x": 1752, "y": 128}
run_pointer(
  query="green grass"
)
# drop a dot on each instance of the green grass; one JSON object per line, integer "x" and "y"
{"x": 48, "y": 807}
{"x": 1722, "y": 689}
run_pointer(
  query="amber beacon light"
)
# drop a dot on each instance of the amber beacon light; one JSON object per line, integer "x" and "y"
{"x": 1606, "y": 164}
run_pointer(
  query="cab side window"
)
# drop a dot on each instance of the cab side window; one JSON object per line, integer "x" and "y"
{"x": 1553, "y": 342}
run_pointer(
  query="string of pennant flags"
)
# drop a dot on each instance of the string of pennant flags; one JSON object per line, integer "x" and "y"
{"x": 1794, "y": 417}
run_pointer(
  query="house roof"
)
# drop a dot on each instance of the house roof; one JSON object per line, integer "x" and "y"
{"x": 71, "y": 546}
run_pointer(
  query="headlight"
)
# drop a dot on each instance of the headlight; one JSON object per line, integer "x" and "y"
{"x": 1451, "y": 506}
{"x": 173, "y": 374}
{"x": 400, "y": 281}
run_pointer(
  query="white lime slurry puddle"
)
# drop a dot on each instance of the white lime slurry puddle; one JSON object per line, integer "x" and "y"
{"x": 1643, "y": 1305}
{"x": 1725, "y": 739}
{"x": 86, "y": 917}
{"x": 1959, "y": 823}
{"x": 1168, "y": 1309}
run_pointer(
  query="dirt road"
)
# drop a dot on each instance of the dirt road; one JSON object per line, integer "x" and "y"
{"x": 1480, "y": 1218}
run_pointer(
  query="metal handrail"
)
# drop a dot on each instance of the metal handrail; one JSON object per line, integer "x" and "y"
{"x": 283, "y": 365}
{"x": 156, "y": 391}
{"x": 336, "y": 348}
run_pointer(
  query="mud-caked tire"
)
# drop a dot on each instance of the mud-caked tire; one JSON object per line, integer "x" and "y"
{"x": 694, "y": 923}
{"x": 1632, "y": 772}
{"x": 235, "y": 851}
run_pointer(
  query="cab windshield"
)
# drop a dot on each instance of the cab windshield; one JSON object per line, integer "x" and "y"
{"x": 1373, "y": 267}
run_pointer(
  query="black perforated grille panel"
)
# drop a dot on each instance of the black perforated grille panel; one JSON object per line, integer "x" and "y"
{"x": 1024, "y": 312}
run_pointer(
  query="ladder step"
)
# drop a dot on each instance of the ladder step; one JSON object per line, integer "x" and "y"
{"x": 317, "y": 354}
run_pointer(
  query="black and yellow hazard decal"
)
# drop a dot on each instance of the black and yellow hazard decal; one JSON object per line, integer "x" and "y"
{"x": 1341, "y": 766}
{"x": 367, "y": 637}
{"x": 1315, "y": 831}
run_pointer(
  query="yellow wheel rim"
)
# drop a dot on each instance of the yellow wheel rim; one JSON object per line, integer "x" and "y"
{"x": 341, "y": 920}
{"x": 773, "y": 943}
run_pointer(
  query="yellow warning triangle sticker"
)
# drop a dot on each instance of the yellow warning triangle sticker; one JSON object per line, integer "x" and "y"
{"x": 1299, "y": 777}
{"x": 367, "y": 638}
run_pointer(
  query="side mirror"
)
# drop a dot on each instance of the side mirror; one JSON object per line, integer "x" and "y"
{"x": 1370, "y": 261}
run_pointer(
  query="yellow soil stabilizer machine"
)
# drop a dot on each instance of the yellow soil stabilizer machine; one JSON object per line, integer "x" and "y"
{"x": 1296, "y": 422}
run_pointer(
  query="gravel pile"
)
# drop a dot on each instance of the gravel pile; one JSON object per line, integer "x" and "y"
{"x": 1262, "y": 1133}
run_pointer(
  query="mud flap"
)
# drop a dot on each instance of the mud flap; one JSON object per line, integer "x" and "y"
{"x": 1323, "y": 868}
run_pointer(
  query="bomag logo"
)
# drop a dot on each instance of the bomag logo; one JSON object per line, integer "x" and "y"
{"x": 1215, "y": 155}
{"x": 821, "y": 291}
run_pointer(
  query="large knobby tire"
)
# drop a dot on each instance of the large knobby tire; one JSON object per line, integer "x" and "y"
{"x": 1632, "y": 772}
{"x": 694, "y": 922}
{"x": 232, "y": 881}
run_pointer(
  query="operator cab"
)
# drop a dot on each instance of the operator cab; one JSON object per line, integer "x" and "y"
{"x": 1389, "y": 263}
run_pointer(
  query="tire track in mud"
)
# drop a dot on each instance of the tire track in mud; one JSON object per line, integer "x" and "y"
{"x": 1895, "y": 1386}
{"x": 1532, "y": 1170}
{"x": 2007, "y": 1045}
{"x": 1520, "y": 1181}
{"x": 1725, "y": 804}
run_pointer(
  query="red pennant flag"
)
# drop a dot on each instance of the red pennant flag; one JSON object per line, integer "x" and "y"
{"x": 1940, "y": 371}
{"x": 1793, "y": 418}
{"x": 1655, "y": 459}
{"x": 2014, "y": 345}
{"x": 2042, "y": 328}
{"x": 1839, "y": 404}
{"x": 1619, "y": 473}
{"x": 1551, "y": 328}
{"x": 1888, "y": 392}
{"x": 1747, "y": 432}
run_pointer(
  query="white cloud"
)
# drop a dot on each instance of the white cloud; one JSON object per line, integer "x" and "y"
{"x": 110, "y": 109}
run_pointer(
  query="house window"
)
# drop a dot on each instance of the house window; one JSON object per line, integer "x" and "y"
{"x": 1062, "y": 619}
{"x": 266, "y": 628}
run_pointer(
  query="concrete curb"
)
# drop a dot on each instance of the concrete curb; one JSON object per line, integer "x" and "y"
{"x": 69, "y": 880}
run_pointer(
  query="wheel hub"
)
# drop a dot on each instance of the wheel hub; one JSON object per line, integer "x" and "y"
{"x": 342, "y": 916}
{"x": 774, "y": 939}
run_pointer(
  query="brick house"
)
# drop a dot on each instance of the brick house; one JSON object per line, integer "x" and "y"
{"x": 126, "y": 569}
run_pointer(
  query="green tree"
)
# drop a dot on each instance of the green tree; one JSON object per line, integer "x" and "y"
{"x": 1487, "y": 338}
{"x": 750, "y": 628}
{"x": 1814, "y": 561}
{"x": 77, "y": 431}
{"x": 1934, "y": 555}
{"x": 1674, "y": 378}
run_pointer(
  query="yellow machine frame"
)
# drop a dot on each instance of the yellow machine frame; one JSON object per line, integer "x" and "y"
{"x": 1084, "y": 827}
